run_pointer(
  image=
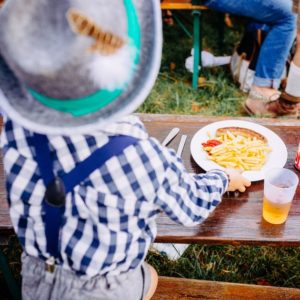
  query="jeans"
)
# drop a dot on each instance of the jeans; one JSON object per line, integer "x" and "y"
{"x": 278, "y": 15}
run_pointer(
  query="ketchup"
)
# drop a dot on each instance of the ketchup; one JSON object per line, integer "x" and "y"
{"x": 211, "y": 143}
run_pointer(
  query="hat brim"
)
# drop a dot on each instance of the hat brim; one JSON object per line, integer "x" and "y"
{"x": 19, "y": 105}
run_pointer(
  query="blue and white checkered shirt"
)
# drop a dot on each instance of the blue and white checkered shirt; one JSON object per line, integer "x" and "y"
{"x": 109, "y": 219}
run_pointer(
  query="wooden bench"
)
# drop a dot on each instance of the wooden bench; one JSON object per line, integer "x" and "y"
{"x": 187, "y": 289}
{"x": 196, "y": 8}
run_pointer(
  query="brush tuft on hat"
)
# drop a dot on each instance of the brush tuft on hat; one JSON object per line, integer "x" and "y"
{"x": 105, "y": 42}
{"x": 113, "y": 71}
{"x": 114, "y": 65}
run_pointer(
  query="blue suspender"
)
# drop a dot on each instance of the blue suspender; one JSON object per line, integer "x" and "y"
{"x": 58, "y": 187}
{"x": 52, "y": 214}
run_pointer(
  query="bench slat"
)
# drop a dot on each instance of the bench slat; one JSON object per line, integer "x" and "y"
{"x": 186, "y": 289}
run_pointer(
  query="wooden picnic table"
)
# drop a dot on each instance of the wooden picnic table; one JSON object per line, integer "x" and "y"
{"x": 238, "y": 219}
{"x": 182, "y": 4}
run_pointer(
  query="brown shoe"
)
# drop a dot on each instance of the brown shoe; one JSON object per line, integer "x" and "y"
{"x": 275, "y": 106}
{"x": 290, "y": 98}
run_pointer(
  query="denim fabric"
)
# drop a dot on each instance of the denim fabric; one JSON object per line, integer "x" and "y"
{"x": 274, "y": 51}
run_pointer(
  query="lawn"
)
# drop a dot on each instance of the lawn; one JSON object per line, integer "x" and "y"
{"x": 172, "y": 93}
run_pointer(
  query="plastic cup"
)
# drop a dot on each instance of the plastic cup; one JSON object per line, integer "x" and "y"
{"x": 279, "y": 189}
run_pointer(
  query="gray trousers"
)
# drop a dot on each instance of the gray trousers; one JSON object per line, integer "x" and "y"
{"x": 38, "y": 284}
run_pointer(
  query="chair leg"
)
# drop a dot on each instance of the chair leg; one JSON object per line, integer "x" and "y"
{"x": 181, "y": 25}
{"x": 197, "y": 47}
{"x": 11, "y": 283}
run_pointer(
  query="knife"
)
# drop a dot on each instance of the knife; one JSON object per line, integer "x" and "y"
{"x": 181, "y": 145}
{"x": 170, "y": 136}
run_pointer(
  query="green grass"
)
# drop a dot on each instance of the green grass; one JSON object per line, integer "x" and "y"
{"x": 13, "y": 255}
{"x": 243, "y": 264}
{"x": 172, "y": 93}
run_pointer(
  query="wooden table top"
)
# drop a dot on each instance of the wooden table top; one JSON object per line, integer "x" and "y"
{"x": 237, "y": 220}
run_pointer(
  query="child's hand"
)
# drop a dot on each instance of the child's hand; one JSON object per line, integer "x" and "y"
{"x": 236, "y": 181}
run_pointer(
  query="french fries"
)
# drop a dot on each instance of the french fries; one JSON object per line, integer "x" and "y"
{"x": 237, "y": 151}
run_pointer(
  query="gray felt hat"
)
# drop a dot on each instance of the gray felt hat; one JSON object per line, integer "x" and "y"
{"x": 72, "y": 66}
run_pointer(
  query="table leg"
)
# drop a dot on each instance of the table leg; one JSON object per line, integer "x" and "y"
{"x": 197, "y": 47}
{"x": 11, "y": 283}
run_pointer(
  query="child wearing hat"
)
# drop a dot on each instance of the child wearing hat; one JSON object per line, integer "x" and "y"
{"x": 84, "y": 180}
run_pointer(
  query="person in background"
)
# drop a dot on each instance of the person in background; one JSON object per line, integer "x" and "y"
{"x": 291, "y": 94}
{"x": 264, "y": 97}
{"x": 84, "y": 180}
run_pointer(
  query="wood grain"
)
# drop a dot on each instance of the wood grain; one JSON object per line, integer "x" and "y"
{"x": 187, "y": 289}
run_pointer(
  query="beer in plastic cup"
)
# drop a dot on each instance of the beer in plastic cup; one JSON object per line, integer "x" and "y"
{"x": 279, "y": 190}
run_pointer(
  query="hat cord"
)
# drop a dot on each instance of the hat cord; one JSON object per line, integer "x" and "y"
{"x": 85, "y": 105}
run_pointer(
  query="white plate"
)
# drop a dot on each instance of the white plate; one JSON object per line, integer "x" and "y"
{"x": 276, "y": 158}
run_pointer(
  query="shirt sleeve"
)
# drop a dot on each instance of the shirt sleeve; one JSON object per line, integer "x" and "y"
{"x": 189, "y": 198}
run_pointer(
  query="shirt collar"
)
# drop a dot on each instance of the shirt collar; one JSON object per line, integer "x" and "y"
{"x": 130, "y": 125}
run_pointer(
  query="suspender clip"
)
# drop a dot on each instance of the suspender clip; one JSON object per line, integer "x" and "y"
{"x": 50, "y": 264}
{"x": 55, "y": 193}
